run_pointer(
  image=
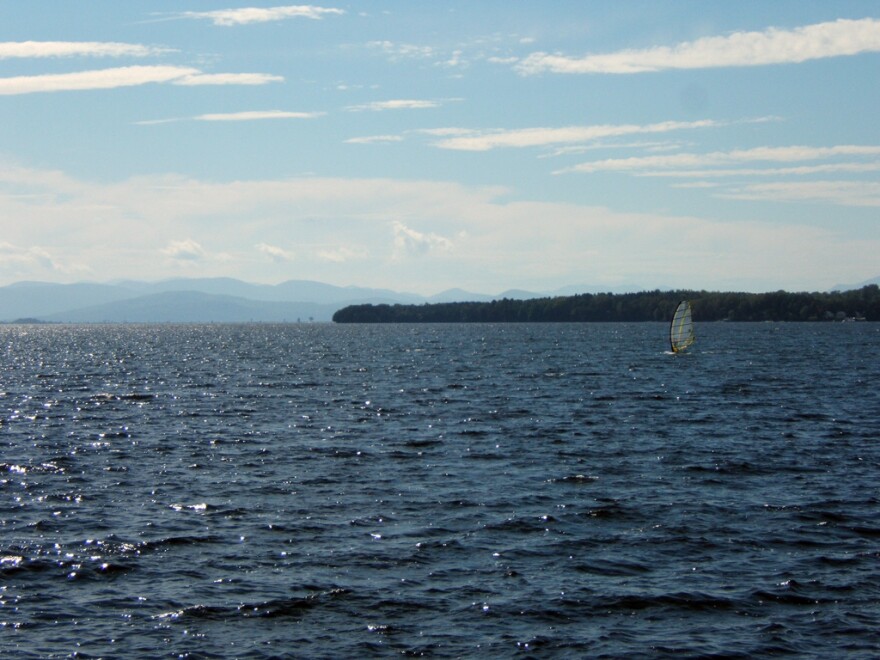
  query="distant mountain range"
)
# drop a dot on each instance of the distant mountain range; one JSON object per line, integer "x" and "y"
{"x": 850, "y": 287}
{"x": 218, "y": 300}
{"x": 225, "y": 300}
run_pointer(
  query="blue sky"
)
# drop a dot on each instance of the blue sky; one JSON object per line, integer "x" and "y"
{"x": 422, "y": 146}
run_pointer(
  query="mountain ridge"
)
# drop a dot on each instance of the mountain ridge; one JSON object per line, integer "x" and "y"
{"x": 225, "y": 299}
{"x": 220, "y": 299}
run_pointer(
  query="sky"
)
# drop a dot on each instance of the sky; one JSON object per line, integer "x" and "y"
{"x": 423, "y": 146}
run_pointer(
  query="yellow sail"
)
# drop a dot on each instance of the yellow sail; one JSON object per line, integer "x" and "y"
{"x": 681, "y": 330}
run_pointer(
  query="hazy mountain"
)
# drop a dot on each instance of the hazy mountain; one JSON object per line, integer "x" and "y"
{"x": 850, "y": 287}
{"x": 459, "y": 295}
{"x": 186, "y": 300}
{"x": 38, "y": 299}
{"x": 194, "y": 307}
{"x": 196, "y": 300}
{"x": 220, "y": 299}
{"x": 291, "y": 290}
{"x": 327, "y": 293}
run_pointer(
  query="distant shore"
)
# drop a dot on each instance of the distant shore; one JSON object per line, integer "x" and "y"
{"x": 855, "y": 305}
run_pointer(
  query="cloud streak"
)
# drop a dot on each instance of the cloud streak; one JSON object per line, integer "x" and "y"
{"x": 275, "y": 253}
{"x": 537, "y": 137}
{"x": 185, "y": 250}
{"x": 227, "y": 79}
{"x": 129, "y": 76}
{"x": 789, "y": 154}
{"x": 840, "y": 193}
{"x": 42, "y": 49}
{"x": 402, "y": 51}
{"x": 746, "y": 163}
{"x": 375, "y": 139}
{"x": 843, "y": 37}
{"x": 394, "y": 104}
{"x": 249, "y": 15}
{"x": 256, "y": 115}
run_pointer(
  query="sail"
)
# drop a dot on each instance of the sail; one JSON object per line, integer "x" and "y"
{"x": 681, "y": 330}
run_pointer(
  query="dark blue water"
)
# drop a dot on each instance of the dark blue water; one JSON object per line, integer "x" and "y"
{"x": 327, "y": 491}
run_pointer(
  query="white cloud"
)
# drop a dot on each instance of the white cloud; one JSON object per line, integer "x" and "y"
{"x": 800, "y": 170}
{"x": 254, "y": 115}
{"x": 276, "y": 254}
{"x": 651, "y": 146}
{"x": 448, "y": 131}
{"x": 772, "y": 46}
{"x": 455, "y": 61}
{"x": 341, "y": 254}
{"x": 409, "y": 242}
{"x": 14, "y": 257}
{"x": 410, "y": 235}
{"x": 695, "y": 185}
{"x": 746, "y": 163}
{"x": 36, "y": 49}
{"x": 374, "y": 139}
{"x": 394, "y": 104}
{"x": 796, "y": 153}
{"x": 502, "y": 60}
{"x": 128, "y": 76}
{"x": 840, "y": 193}
{"x": 248, "y": 15}
{"x": 247, "y": 115}
{"x": 402, "y": 51}
{"x": 227, "y": 79}
{"x": 185, "y": 250}
{"x": 536, "y": 137}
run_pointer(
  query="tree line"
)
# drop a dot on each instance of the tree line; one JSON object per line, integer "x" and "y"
{"x": 861, "y": 304}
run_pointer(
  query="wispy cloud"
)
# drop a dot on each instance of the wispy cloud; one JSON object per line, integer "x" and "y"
{"x": 536, "y": 137}
{"x": 447, "y": 131}
{"x": 256, "y": 115}
{"x": 456, "y": 60}
{"x": 341, "y": 254}
{"x": 402, "y": 51}
{"x": 760, "y": 164}
{"x": 656, "y": 146}
{"x": 409, "y": 242}
{"x": 248, "y": 115}
{"x": 394, "y": 104}
{"x": 443, "y": 132}
{"x": 129, "y": 76}
{"x": 841, "y": 193}
{"x": 800, "y": 170}
{"x": 772, "y": 46}
{"x": 13, "y": 256}
{"x": 375, "y": 139}
{"x": 228, "y": 79}
{"x": 39, "y": 49}
{"x": 247, "y": 15}
{"x": 275, "y": 253}
{"x": 185, "y": 250}
{"x": 702, "y": 163}
{"x": 409, "y": 231}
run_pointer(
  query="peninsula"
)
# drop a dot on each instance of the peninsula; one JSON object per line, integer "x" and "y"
{"x": 856, "y": 304}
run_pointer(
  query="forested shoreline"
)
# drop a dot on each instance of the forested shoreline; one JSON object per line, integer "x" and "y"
{"x": 856, "y": 304}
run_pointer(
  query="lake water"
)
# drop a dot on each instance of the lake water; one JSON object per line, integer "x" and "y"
{"x": 322, "y": 491}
